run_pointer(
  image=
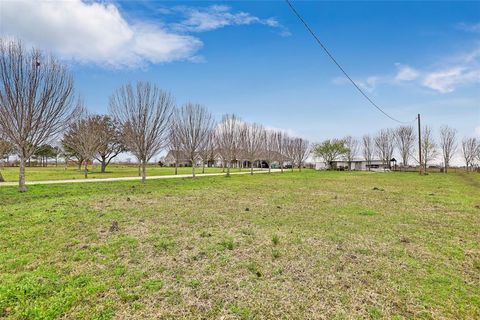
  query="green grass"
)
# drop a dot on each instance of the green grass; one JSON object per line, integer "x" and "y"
{"x": 113, "y": 171}
{"x": 337, "y": 245}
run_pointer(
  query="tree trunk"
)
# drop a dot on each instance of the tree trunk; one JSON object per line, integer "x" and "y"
{"x": 193, "y": 169}
{"x": 176, "y": 168}
{"x": 21, "y": 178}
{"x": 281, "y": 166}
{"x": 300, "y": 167}
{"x": 86, "y": 169}
{"x": 104, "y": 164}
{"x": 80, "y": 164}
{"x": 144, "y": 171}
{"x": 251, "y": 167}
{"x": 203, "y": 168}
{"x": 269, "y": 167}
{"x": 140, "y": 168}
{"x": 1, "y": 177}
{"x": 228, "y": 168}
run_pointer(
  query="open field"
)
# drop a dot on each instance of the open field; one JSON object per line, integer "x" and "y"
{"x": 333, "y": 245}
{"x": 113, "y": 171}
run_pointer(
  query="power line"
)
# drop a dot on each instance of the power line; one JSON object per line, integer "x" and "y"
{"x": 338, "y": 64}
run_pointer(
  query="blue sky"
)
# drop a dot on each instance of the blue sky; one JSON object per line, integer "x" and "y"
{"x": 256, "y": 59}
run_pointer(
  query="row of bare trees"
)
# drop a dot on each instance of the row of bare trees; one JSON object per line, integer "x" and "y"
{"x": 404, "y": 140}
{"x": 38, "y": 105}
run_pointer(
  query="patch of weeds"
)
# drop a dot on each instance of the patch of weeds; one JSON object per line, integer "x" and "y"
{"x": 194, "y": 283}
{"x": 164, "y": 244}
{"x": 374, "y": 313}
{"x": 248, "y": 232}
{"x": 127, "y": 296}
{"x": 275, "y": 239}
{"x": 378, "y": 189}
{"x": 275, "y": 254}
{"x": 367, "y": 213}
{"x": 227, "y": 243}
{"x": 153, "y": 285}
{"x": 242, "y": 312}
{"x": 253, "y": 268}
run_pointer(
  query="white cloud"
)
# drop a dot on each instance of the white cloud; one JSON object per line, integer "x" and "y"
{"x": 219, "y": 16}
{"x": 406, "y": 73}
{"x": 445, "y": 77}
{"x": 93, "y": 32}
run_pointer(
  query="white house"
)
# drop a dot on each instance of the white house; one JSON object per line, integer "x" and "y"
{"x": 354, "y": 165}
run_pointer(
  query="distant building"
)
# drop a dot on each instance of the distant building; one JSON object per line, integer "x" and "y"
{"x": 360, "y": 165}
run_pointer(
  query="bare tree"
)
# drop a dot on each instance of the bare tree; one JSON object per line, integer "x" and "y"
{"x": 429, "y": 147}
{"x": 290, "y": 150}
{"x": 280, "y": 147}
{"x": 252, "y": 142}
{"x": 84, "y": 137}
{"x": 302, "y": 151}
{"x": 110, "y": 135}
{"x": 208, "y": 149}
{"x": 448, "y": 144}
{"x": 36, "y": 99}
{"x": 405, "y": 139}
{"x": 193, "y": 123}
{"x": 227, "y": 135}
{"x": 470, "y": 147}
{"x": 174, "y": 142}
{"x": 268, "y": 150}
{"x": 352, "y": 146}
{"x": 368, "y": 149}
{"x": 144, "y": 112}
{"x": 384, "y": 145}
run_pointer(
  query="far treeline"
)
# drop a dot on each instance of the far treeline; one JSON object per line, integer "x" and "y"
{"x": 402, "y": 140}
{"x": 38, "y": 105}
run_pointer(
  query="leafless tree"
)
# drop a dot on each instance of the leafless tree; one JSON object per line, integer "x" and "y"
{"x": 384, "y": 145}
{"x": 352, "y": 146}
{"x": 144, "y": 112}
{"x": 84, "y": 137}
{"x": 280, "y": 139}
{"x": 227, "y": 135}
{"x": 36, "y": 99}
{"x": 302, "y": 151}
{"x": 269, "y": 145}
{"x": 290, "y": 150}
{"x": 193, "y": 123}
{"x": 174, "y": 142}
{"x": 368, "y": 149}
{"x": 448, "y": 144}
{"x": 110, "y": 135}
{"x": 405, "y": 139}
{"x": 470, "y": 147}
{"x": 429, "y": 147}
{"x": 252, "y": 139}
{"x": 208, "y": 148}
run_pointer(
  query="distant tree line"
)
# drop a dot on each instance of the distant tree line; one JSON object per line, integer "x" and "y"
{"x": 403, "y": 140}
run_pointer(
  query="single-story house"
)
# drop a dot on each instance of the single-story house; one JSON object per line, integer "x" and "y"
{"x": 354, "y": 165}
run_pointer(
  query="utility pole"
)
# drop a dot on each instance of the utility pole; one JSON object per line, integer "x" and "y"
{"x": 420, "y": 171}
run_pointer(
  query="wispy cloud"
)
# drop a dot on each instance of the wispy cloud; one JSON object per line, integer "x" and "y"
{"x": 445, "y": 77}
{"x": 470, "y": 27}
{"x": 220, "y": 16}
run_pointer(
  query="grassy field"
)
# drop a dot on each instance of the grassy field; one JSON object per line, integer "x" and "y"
{"x": 332, "y": 245}
{"x": 113, "y": 171}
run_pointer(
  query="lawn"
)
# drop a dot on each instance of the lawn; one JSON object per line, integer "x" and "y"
{"x": 113, "y": 171}
{"x": 332, "y": 245}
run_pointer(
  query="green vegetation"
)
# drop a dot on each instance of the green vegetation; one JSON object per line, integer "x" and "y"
{"x": 113, "y": 171}
{"x": 337, "y": 244}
